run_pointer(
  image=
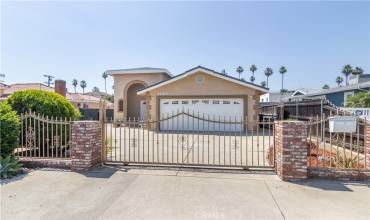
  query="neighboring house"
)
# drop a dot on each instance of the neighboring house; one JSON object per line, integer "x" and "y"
{"x": 275, "y": 97}
{"x": 337, "y": 96}
{"x": 77, "y": 99}
{"x": 80, "y": 100}
{"x": 153, "y": 93}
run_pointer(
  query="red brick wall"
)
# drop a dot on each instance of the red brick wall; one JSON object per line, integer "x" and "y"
{"x": 291, "y": 150}
{"x": 86, "y": 144}
{"x": 339, "y": 173}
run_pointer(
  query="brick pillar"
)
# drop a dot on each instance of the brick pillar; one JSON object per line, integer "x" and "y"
{"x": 291, "y": 150}
{"x": 367, "y": 146}
{"x": 86, "y": 144}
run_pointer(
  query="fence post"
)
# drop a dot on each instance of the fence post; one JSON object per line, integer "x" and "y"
{"x": 86, "y": 144}
{"x": 367, "y": 144}
{"x": 291, "y": 150}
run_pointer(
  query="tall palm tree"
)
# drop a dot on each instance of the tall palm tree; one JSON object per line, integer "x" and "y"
{"x": 105, "y": 76}
{"x": 83, "y": 85}
{"x": 268, "y": 73}
{"x": 358, "y": 71}
{"x": 282, "y": 71}
{"x": 239, "y": 69}
{"x": 339, "y": 80}
{"x": 252, "y": 79}
{"x": 263, "y": 83}
{"x": 253, "y": 69}
{"x": 75, "y": 83}
{"x": 347, "y": 70}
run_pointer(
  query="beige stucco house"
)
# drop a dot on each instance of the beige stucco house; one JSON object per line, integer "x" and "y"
{"x": 153, "y": 93}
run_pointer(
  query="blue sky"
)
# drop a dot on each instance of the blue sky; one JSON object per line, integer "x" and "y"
{"x": 83, "y": 39}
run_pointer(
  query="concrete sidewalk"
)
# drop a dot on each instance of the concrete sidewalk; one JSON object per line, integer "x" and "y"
{"x": 137, "y": 193}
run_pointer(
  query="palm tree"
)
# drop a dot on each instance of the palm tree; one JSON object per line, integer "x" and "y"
{"x": 263, "y": 83}
{"x": 83, "y": 85}
{"x": 358, "y": 71}
{"x": 326, "y": 86}
{"x": 105, "y": 76}
{"x": 252, "y": 79}
{"x": 282, "y": 71}
{"x": 339, "y": 80}
{"x": 268, "y": 73}
{"x": 253, "y": 69}
{"x": 74, "y": 83}
{"x": 347, "y": 70}
{"x": 239, "y": 70}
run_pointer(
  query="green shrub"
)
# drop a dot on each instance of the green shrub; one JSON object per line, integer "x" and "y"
{"x": 9, "y": 129}
{"x": 359, "y": 100}
{"x": 9, "y": 166}
{"x": 42, "y": 102}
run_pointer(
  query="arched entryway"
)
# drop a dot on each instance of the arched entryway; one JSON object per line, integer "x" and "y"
{"x": 135, "y": 104}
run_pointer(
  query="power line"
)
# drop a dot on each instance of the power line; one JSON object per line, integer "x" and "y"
{"x": 49, "y": 79}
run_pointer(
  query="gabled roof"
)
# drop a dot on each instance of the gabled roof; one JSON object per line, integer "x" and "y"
{"x": 207, "y": 71}
{"x": 359, "y": 86}
{"x": 138, "y": 71}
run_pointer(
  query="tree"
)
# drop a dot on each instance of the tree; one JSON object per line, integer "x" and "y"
{"x": 268, "y": 73}
{"x": 282, "y": 71}
{"x": 359, "y": 100}
{"x": 326, "y": 86}
{"x": 239, "y": 70}
{"x": 9, "y": 129}
{"x": 252, "y": 79}
{"x": 347, "y": 70}
{"x": 74, "y": 83}
{"x": 42, "y": 102}
{"x": 263, "y": 83}
{"x": 358, "y": 71}
{"x": 96, "y": 89}
{"x": 83, "y": 85}
{"x": 253, "y": 69}
{"x": 105, "y": 76}
{"x": 339, "y": 80}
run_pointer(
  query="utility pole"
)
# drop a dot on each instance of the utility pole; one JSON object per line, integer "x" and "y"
{"x": 49, "y": 78}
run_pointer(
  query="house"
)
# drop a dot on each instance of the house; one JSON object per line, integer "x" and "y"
{"x": 154, "y": 93}
{"x": 275, "y": 97}
{"x": 337, "y": 96}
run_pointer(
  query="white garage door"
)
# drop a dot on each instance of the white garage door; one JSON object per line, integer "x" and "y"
{"x": 228, "y": 110}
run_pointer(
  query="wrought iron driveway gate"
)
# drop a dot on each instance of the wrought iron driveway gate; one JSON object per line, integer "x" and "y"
{"x": 190, "y": 140}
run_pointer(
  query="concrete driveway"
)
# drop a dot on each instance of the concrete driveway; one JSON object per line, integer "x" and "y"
{"x": 137, "y": 193}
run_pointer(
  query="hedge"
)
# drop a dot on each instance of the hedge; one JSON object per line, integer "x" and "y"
{"x": 9, "y": 129}
{"x": 42, "y": 102}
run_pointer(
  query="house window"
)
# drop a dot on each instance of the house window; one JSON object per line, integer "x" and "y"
{"x": 194, "y": 101}
{"x": 120, "y": 105}
{"x": 226, "y": 102}
{"x": 86, "y": 106}
{"x": 185, "y": 102}
{"x": 175, "y": 102}
{"x": 236, "y": 103}
{"x": 205, "y": 101}
{"x": 215, "y": 102}
{"x": 165, "y": 103}
{"x": 78, "y": 105}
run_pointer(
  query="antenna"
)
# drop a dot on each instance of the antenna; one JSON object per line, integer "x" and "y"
{"x": 49, "y": 78}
